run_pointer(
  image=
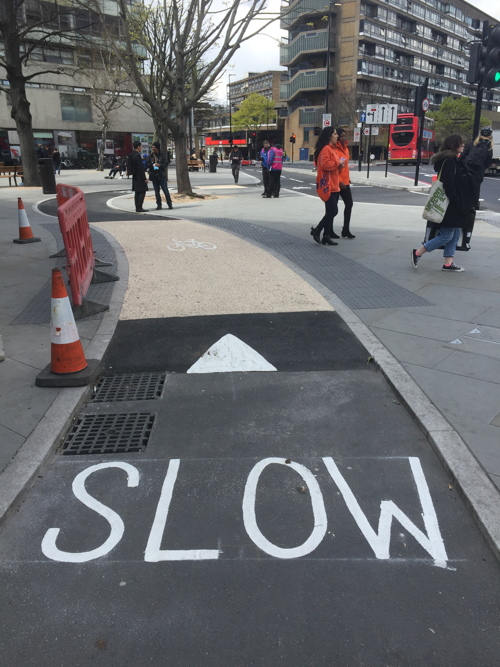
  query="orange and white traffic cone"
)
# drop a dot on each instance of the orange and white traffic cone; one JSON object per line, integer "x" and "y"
{"x": 25, "y": 232}
{"x": 68, "y": 366}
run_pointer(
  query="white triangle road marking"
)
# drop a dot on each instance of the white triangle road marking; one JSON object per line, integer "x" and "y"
{"x": 474, "y": 331}
{"x": 457, "y": 341}
{"x": 230, "y": 355}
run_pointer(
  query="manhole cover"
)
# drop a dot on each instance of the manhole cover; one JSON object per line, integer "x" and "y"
{"x": 109, "y": 434}
{"x": 129, "y": 387}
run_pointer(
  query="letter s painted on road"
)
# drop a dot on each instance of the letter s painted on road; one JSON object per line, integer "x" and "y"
{"x": 117, "y": 527}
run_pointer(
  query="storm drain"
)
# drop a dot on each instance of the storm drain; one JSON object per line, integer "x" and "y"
{"x": 109, "y": 434}
{"x": 129, "y": 387}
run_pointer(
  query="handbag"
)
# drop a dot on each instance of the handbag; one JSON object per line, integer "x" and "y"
{"x": 438, "y": 202}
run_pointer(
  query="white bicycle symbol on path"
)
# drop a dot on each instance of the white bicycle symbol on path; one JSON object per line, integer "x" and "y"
{"x": 180, "y": 246}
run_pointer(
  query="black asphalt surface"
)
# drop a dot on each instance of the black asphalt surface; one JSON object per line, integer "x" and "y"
{"x": 251, "y": 531}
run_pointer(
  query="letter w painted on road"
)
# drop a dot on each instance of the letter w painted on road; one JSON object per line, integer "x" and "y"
{"x": 380, "y": 542}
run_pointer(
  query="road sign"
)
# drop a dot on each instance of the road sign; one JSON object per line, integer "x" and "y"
{"x": 362, "y": 117}
{"x": 357, "y": 135}
{"x": 375, "y": 130}
{"x": 425, "y": 104}
{"x": 327, "y": 120}
{"x": 381, "y": 114}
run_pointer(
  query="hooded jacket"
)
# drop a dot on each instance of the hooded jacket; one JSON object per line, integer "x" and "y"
{"x": 457, "y": 186}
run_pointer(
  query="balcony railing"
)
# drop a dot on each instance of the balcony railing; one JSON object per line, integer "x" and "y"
{"x": 291, "y": 12}
{"x": 306, "y": 42}
{"x": 312, "y": 117}
{"x": 306, "y": 80}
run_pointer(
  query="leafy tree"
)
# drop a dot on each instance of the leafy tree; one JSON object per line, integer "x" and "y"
{"x": 454, "y": 116}
{"x": 255, "y": 112}
{"x": 175, "y": 51}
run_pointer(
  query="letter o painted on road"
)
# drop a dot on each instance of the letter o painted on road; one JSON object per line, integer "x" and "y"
{"x": 250, "y": 519}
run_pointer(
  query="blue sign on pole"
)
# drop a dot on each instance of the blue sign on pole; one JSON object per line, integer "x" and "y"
{"x": 362, "y": 117}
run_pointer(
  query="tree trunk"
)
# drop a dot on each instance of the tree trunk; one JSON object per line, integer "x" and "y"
{"x": 100, "y": 164}
{"x": 181, "y": 167}
{"x": 22, "y": 116}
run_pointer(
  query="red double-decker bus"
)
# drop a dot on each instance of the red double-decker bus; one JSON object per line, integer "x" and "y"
{"x": 404, "y": 137}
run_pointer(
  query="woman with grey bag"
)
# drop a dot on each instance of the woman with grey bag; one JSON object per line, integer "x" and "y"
{"x": 457, "y": 187}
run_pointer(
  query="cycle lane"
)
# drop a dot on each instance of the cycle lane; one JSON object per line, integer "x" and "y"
{"x": 253, "y": 529}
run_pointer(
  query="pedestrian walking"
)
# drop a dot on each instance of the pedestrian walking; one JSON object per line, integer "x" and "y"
{"x": 235, "y": 158}
{"x": 56, "y": 159}
{"x": 135, "y": 168}
{"x": 266, "y": 159}
{"x": 345, "y": 183}
{"x": 458, "y": 189}
{"x": 328, "y": 167}
{"x": 157, "y": 165}
{"x": 275, "y": 171}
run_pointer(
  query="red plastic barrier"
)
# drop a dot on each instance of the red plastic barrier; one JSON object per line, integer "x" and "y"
{"x": 65, "y": 192}
{"x": 75, "y": 230}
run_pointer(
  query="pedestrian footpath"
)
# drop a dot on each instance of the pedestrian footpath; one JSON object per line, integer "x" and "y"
{"x": 440, "y": 348}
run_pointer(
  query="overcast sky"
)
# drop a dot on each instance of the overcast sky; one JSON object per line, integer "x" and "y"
{"x": 261, "y": 53}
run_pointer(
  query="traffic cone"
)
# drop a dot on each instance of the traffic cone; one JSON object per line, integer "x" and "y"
{"x": 25, "y": 233}
{"x": 68, "y": 366}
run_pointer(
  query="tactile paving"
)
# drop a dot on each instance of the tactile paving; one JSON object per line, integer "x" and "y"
{"x": 357, "y": 286}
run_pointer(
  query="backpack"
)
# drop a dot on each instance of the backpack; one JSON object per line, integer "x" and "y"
{"x": 477, "y": 156}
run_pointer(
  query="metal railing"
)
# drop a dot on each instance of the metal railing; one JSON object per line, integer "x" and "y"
{"x": 307, "y": 80}
{"x": 306, "y": 42}
{"x": 291, "y": 12}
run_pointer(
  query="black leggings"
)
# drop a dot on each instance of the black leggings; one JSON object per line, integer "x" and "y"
{"x": 331, "y": 210}
{"x": 346, "y": 196}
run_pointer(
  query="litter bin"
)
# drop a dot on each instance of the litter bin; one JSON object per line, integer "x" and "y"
{"x": 213, "y": 164}
{"x": 47, "y": 175}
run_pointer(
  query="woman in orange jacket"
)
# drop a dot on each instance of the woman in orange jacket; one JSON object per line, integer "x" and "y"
{"x": 345, "y": 182}
{"x": 328, "y": 165}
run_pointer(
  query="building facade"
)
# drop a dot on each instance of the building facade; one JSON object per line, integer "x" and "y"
{"x": 370, "y": 51}
{"x": 65, "y": 104}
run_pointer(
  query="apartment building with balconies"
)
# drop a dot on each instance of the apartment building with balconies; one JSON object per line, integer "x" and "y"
{"x": 366, "y": 51}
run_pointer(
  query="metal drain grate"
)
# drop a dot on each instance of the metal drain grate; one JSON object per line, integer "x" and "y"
{"x": 129, "y": 387}
{"x": 109, "y": 434}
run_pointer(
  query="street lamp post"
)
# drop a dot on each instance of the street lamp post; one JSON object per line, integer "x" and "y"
{"x": 328, "y": 55}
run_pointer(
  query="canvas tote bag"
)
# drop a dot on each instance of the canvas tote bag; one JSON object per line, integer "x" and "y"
{"x": 438, "y": 202}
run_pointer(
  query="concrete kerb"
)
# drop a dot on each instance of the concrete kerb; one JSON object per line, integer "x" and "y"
{"x": 480, "y": 494}
{"x": 30, "y": 460}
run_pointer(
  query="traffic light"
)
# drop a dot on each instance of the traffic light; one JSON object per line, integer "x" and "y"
{"x": 292, "y": 139}
{"x": 476, "y": 51}
{"x": 420, "y": 95}
{"x": 490, "y": 70}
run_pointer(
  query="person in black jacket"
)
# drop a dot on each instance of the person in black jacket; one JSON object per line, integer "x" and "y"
{"x": 458, "y": 189}
{"x": 136, "y": 169}
{"x": 157, "y": 164}
{"x": 477, "y": 157}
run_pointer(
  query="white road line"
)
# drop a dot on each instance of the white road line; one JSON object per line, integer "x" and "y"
{"x": 295, "y": 179}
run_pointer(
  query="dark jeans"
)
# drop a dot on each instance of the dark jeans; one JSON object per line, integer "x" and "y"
{"x": 331, "y": 210}
{"x": 161, "y": 183}
{"x": 346, "y": 196}
{"x": 235, "y": 169}
{"x": 113, "y": 172}
{"x": 275, "y": 182}
{"x": 265, "y": 182}
{"x": 139, "y": 200}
